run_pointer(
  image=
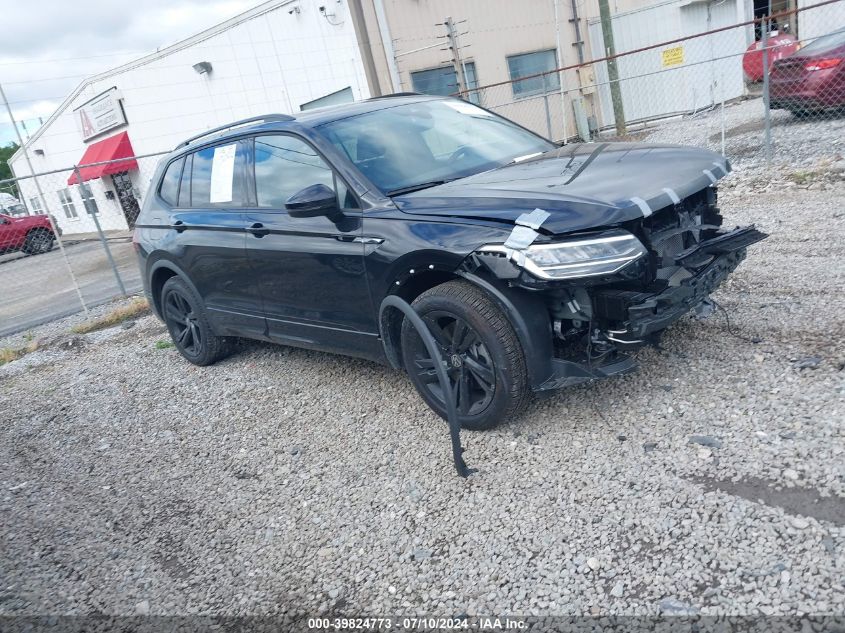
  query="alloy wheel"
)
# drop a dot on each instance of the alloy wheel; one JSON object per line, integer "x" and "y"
{"x": 41, "y": 242}
{"x": 182, "y": 322}
{"x": 470, "y": 366}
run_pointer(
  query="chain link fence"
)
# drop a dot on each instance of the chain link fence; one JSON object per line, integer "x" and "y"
{"x": 707, "y": 88}
{"x": 66, "y": 239}
{"x": 763, "y": 91}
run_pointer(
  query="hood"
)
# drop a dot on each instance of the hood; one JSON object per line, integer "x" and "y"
{"x": 581, "y": 186}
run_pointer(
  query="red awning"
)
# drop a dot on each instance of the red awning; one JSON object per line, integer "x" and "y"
{"x": 111, "y": 148}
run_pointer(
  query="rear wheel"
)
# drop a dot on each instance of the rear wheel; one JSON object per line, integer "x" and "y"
{"x": 38, "y": 241}
{"x": 188, "y": 326}
{"x": 486, "y": 363}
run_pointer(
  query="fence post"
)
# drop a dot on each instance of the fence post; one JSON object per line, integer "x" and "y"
{"x": 44, "y": 204}
{"x": 548, "y": 116}
{"x": 767, "y": 118}
{"x": 91, "y": 210}
{"x": 612, "y": 68}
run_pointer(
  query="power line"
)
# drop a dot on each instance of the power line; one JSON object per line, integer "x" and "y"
{"x": 67, "y": 59}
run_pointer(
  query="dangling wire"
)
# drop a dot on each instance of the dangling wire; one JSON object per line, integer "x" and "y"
{"x": 730, "y": 329}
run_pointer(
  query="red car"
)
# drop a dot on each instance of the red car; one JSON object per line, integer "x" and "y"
{"x": 31, "y": 234}
{"x": 811, "y": 79}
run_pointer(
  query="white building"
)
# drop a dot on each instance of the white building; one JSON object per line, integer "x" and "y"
{"x": 281, "y": 56}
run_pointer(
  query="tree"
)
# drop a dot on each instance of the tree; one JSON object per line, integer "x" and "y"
{"x": 6, "y": 171}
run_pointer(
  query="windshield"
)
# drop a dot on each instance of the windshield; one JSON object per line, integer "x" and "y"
{"x": 414, "y": 145}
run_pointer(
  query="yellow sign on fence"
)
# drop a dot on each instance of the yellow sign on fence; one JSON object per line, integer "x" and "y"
{"x": 673, "y": 56}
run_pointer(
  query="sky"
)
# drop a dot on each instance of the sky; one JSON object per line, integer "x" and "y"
{"x": 48, "y": 46}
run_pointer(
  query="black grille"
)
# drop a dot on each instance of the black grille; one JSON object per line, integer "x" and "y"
{"x": 673, "y": 230}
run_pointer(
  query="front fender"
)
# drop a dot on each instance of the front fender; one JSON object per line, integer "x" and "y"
{"x": 529, "y": 317}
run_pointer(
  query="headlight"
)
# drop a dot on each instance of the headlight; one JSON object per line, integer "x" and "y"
{"x": 575, "y": 258}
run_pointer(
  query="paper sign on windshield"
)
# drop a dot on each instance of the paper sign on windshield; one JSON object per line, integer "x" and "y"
{"x": 222, "y": 173}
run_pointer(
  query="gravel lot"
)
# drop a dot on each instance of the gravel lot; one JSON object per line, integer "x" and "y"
{"x": 285, "y": 481}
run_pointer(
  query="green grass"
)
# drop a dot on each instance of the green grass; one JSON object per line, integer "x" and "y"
{"x": 803, "y": 177}
{"x": 164, "y": 344}
{"x": 8, "y": 354}
{"x": 134, "y": 308}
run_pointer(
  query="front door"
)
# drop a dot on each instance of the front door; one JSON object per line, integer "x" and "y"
{"x": 11, "y": 235}
{"x": 126, "y": 196}
{"x": 310, "y": 270}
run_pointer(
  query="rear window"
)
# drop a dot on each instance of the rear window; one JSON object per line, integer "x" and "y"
{"x": 824, "y": 44}
{"x": 216, "y": 176}
{"x": 169, "y": 189}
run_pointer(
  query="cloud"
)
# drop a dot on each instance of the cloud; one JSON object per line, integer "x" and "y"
{"x": 56, "y": 44}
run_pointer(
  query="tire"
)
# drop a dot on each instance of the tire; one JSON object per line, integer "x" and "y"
{"x": 38, "y": 241}
{"x": 482, "y": 349}
{"x": 185, "y": 318}
{"x": 805, "y": 113}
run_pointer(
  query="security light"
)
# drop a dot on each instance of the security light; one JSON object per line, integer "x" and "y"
{"x": 202, "y": 68}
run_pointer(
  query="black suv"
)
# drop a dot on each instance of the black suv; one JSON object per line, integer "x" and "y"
{"x": 535, "y": 266}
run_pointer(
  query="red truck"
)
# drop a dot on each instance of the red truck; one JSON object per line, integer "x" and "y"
{"x": 31, "y": 234}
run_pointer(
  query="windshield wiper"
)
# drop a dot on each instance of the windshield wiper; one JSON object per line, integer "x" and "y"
{"x": 418, "y": 187}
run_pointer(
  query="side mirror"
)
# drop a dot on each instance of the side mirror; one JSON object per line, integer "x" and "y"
{"x": 312, "y": 201}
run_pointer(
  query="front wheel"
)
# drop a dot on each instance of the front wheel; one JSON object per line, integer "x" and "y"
{"x": 188, "y": 326}
{"x": 38, "y": 241}
{"x": 486, "y": 363}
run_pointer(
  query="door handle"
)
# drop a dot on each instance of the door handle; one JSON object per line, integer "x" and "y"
{"x": 368, "y": 240}
{"x": 257, "y": 229}
{"x": 178, "y": 226}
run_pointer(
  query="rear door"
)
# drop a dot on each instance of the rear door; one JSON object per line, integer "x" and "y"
{"x": 310, "y": 270}
{"x": 208, "y": 226}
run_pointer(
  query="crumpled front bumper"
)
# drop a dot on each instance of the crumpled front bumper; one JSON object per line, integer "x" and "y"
{"x": 638, "y": 315}
{"x": 641, "y": 314}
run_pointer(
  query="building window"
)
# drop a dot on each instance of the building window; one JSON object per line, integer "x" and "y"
{"x": 444, "y": 81}
{"x": 528, "y": 64}
{"x": 67, "y": 204}
{"x": 335, "y": 98}
{"x": 88, "y": 200}
{"x": 35, "y": 206}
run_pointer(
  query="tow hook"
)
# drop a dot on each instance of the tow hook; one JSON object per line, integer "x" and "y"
{"x": 704, "y": 309}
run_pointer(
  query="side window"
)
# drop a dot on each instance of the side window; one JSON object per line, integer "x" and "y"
{"x": 285, "y": 165}
{"x": 169, "y": 189}
{"x": 216, "y": 176}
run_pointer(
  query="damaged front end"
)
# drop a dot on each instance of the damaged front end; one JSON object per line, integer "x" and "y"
{"x": 613, "y": 290}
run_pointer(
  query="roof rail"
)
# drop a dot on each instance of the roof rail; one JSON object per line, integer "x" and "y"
{"x": 255, "y": 119}
{"x": 397, "y": 94}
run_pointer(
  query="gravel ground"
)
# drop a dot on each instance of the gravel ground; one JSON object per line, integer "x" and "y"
{"x": 286, "y": 481}
{"x": 798, "y": 143}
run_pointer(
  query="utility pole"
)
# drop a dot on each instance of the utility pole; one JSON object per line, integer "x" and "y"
{"x": 561, "y": 76}
{"x": 457, "y": 62}
{"x": 612, "y": 68}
